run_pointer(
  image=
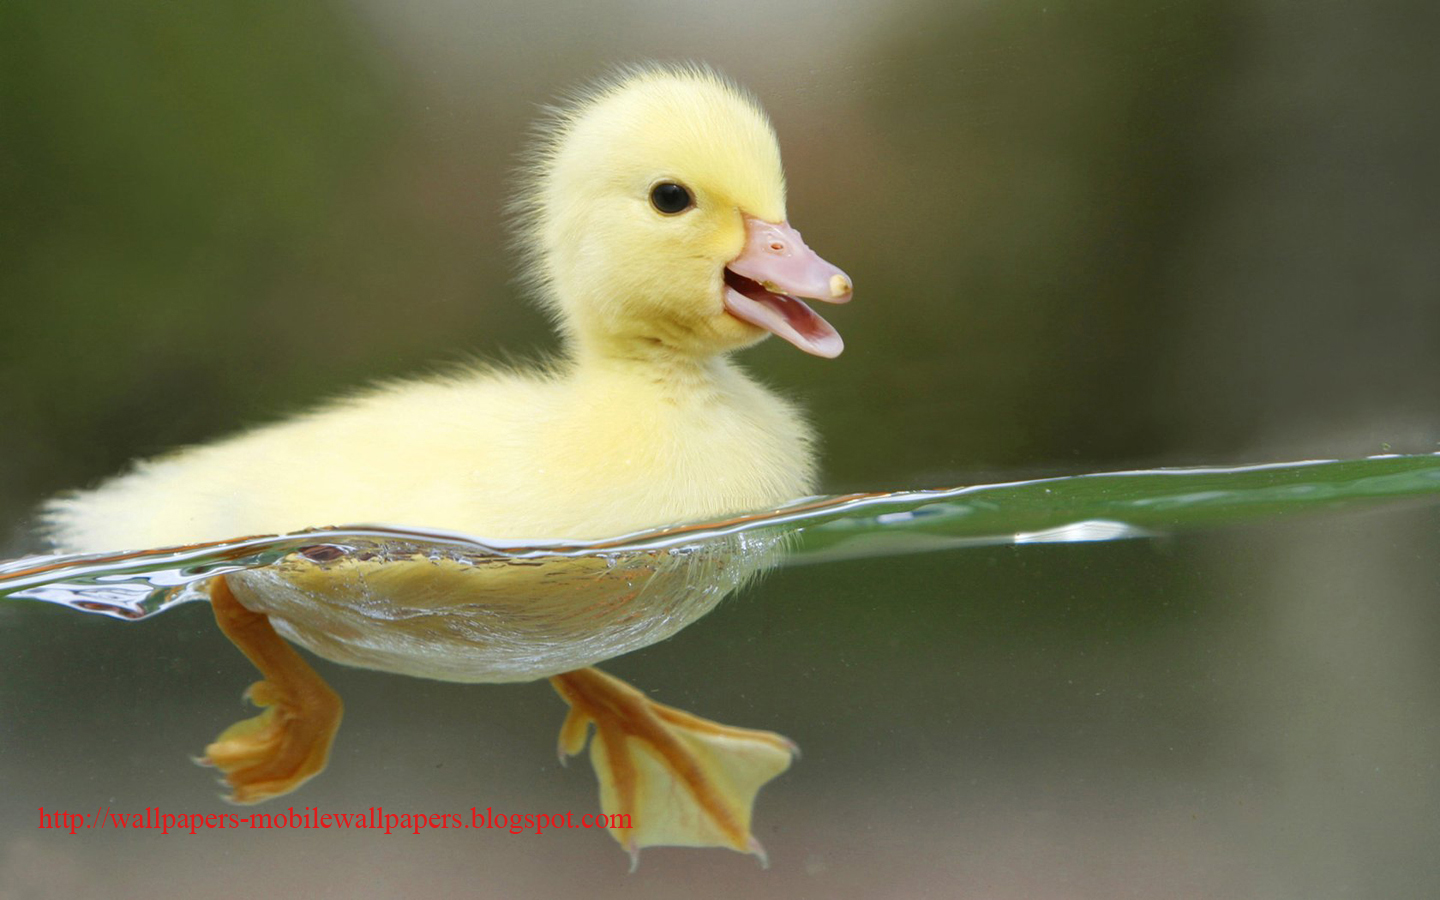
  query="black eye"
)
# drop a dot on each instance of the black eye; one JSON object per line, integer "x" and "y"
{"x": 670, "y": 198}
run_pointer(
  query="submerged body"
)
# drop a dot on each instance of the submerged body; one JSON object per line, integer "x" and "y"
{"x": 457, "y": 617}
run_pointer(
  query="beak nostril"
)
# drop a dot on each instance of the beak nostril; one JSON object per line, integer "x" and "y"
{"x": 776, "y": 246}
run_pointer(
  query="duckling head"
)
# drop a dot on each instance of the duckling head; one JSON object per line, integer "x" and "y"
{"x": 653, "y": 219}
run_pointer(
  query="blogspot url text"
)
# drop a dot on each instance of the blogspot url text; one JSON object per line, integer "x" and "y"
{"x": 310, "y": 817}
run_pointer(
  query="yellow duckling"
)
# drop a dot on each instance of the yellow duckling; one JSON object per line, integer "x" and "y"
{"x": 653, "y": 219}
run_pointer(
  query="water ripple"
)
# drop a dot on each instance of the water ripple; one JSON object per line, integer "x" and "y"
{"x": 1096, "y": 507}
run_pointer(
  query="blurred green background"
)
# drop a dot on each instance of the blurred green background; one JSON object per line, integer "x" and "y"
{"x": 1084, "y": 236}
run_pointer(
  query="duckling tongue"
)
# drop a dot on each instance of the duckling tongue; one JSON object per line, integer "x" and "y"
{"x": 761, "y": 285}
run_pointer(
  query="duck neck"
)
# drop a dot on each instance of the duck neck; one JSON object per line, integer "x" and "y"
{"x": 652, "y": 362}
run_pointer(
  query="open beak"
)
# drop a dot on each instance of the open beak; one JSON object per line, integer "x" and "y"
{"x": 764, "y": 284}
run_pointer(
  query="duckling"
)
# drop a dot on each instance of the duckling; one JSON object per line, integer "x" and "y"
{"x": 652, "y": 223}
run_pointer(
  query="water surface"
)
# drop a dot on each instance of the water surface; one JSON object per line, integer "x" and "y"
{"x": 1077, "y": 508}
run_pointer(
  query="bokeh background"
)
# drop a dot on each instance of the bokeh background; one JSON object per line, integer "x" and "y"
{"x": 1084, "y": 236}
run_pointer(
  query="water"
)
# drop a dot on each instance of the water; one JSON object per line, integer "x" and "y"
{"x": 713, "y": 558}
{"x": 1252, "y": 686}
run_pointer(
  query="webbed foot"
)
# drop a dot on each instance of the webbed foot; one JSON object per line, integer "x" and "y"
{"x": 678, "y": 779}
{"x": 289, "y": 742}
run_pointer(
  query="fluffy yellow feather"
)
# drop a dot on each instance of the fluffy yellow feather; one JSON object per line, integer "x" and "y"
{"x": 642, "y": 422}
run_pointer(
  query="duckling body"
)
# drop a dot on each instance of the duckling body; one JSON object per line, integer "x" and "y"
{"x": 593, "y": 449}
{"x": 588, "y": 451}
{"x": 653, "y": 223}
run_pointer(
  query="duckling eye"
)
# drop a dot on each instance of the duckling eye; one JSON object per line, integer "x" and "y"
{"x": 670, "y": 198}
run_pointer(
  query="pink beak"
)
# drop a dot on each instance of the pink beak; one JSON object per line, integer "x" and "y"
{"x": 764, "y": 284}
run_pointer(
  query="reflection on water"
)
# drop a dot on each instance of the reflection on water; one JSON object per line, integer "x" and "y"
{"x": 709, "y": 559}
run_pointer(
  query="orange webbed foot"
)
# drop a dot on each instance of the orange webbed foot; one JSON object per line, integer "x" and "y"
{"x": 289, "y": 741}
{"x": 280, "y": 749}
{"x": 681, "y": 780}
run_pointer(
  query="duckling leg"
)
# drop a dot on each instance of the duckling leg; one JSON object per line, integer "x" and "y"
{"x": 289, "y": 742}
{"x": 674, "y": 778}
